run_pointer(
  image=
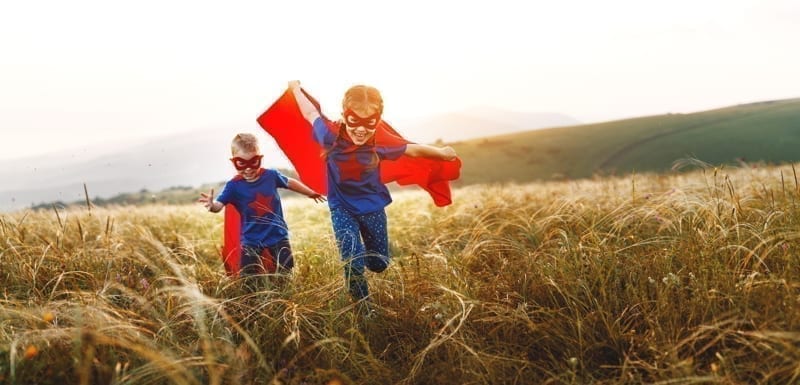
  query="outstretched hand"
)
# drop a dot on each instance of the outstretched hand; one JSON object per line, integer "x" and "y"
{"x": 448, "y": 153}
{"x": 318, "y": 198}
{"x": 207, "y": 199}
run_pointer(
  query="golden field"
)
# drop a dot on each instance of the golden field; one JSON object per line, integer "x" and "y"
{"x": 661, "y": 279}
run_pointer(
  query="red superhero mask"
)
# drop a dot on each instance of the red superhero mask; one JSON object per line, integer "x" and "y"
{"x": 369, "y": 122}
{"x": 242, "y": 164}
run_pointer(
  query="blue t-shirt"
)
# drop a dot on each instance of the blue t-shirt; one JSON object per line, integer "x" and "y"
{"x": 259, "y": 207}
{"x": 354, "y": 180}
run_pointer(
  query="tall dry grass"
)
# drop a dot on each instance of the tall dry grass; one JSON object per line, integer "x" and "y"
{"x": 681, "y": 279}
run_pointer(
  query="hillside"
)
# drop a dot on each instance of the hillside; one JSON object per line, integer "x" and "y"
{"x": 479, "y": 122}
{"x": 757, "y": 132}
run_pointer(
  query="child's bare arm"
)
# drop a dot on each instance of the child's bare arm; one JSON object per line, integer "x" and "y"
{"x": 300, "y": 188}
{"x": 307, "y": 109}
{"x": 426, "y": 151}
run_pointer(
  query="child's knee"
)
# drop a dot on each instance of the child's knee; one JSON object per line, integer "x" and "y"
{"x": 377, "y": 263}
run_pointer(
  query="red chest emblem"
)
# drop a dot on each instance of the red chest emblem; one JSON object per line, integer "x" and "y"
{"x": 351, "y": 169}
{"x": 262, "y": 204}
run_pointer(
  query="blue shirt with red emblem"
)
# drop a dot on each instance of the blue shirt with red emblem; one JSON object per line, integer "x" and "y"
{"x": 354, "y": 181}
{"x": 259, "y": 207}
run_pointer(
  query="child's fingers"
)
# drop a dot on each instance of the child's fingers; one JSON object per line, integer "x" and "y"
{"x": 206, "y": 197}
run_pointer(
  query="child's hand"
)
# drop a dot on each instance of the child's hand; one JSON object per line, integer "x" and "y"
{"x": 447, "y": 153}
{"x": 207, "y": 199}
{"x": 318, "y": 198}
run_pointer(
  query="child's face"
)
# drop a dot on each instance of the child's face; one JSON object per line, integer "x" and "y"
{"x": 247, "y": 164}
{"x": 361, "y": 125}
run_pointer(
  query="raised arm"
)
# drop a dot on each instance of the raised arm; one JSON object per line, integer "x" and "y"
{"x": 307, "y": 108}
{"x": 426, "y": 151}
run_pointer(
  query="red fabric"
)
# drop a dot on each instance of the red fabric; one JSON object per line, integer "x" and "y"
{"x": 293, "y": 135}
{"x": 268, "y": 262}
{"x": 231, "y": 247}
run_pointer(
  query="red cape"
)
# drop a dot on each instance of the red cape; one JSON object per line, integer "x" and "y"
{"x": 231, "y": 242}
{"x": 293, "y": 134}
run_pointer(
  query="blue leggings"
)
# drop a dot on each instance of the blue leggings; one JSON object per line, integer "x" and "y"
{"x": 363, "y": 243}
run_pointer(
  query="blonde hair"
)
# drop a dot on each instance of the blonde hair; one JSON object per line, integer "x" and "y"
{"x": 244, "y": 143}
{"x": 365, "y": 100}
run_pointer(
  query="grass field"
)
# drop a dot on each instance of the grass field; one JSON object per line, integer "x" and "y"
{"x": 661, "y": 279}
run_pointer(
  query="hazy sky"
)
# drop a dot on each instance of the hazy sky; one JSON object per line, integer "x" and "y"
{"x": 75, "y": 73}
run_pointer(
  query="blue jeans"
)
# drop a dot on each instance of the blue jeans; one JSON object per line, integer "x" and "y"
{"x": 363, "y": 242}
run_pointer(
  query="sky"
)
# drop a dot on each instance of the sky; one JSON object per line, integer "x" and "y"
{"x": 79, "y": 73}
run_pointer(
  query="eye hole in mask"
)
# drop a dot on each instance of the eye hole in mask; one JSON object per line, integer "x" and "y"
{"x": 369, "y": 122}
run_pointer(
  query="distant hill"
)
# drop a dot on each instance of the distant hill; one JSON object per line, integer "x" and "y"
{"x": 479, "y": 122}
{"x": 758, "y": 132}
